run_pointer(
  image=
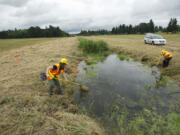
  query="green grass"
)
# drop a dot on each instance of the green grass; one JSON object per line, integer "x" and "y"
{"x": 123, "y": 57}
{"x": 95, "y": 50}
{"x": 8, "y": 44}
{"x": 174, "y": 123}
{"x": 93, "y": 47}
{"x": 92, "y": 73}
{"x": 162, "y": 82}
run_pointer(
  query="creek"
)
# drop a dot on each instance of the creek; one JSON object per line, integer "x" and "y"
{"x": 120, "y": 91}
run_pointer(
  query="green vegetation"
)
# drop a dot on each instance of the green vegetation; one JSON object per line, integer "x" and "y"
{"x": 173, "y": 121}
{"x": 173, "y": 92}
{"x": 162, "y": 82}
{"x": 92, "y": 73}
{"x": 119, "y": 119}
{"x": 8, "y": 44}
{"x": 95, "y": 51}
{"x": 94, "y": 59}
{"x": 140, "y": 28}
{"x": 93, "y": 47}
{"x": 123, "y": 57}
{"x": 172, "y": 26}
{"x": 34, "y": 32}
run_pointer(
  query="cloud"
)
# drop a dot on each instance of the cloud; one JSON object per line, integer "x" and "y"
{"x": 14, "y": 3}
{"x": 74, "y": 15}
{"x": 159, "y": 10}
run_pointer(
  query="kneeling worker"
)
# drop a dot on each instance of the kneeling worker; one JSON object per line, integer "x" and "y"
{"x": 52, "y": 74}
{"x": 167, "y": 57}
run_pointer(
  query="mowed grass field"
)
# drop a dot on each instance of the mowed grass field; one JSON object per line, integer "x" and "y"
{"x": 25, "y": 105}
{"x": 8, "y": 44}
{"x": 133, "y": 46}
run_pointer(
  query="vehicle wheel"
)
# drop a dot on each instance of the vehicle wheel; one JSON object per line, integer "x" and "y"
{"x": 153, "y": 43}
{"x": 145, "y": 42}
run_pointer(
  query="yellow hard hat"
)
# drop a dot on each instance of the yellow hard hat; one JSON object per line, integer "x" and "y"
{"x": 64, "y": 60}
{"x": 163, "y": 52}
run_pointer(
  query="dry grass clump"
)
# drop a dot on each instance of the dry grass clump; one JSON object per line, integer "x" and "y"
{"x": 25, "y": 105}
{"x": 27, "y": 116}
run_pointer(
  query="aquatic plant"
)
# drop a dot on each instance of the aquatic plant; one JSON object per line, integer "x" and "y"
{"x": 94, "y": 47}
{"x": 92, "y": 73}
{"x": 162, "y": 82}
{"x": 123, "y": 57}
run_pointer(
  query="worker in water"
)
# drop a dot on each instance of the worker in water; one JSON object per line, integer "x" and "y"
{"x": 167, "y": 57}
{"x": 52, "y": 74}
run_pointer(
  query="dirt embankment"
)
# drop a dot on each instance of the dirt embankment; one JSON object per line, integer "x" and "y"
{"x": 25, "y": 105}
{"x": 133, "y": 46}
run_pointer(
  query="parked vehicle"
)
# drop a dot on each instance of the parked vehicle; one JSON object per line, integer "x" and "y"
{"x": 154, "y": 39}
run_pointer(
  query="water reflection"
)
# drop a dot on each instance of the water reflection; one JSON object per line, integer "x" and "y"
{"x": 126, "y": 86}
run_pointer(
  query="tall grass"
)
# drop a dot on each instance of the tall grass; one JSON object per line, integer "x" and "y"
{"x": 92, "y": 47}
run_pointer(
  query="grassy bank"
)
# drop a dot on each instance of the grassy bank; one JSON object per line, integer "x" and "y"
{"x": 133, "y": 46}
{"x": 125, "y": 116}
{"x": 25, "y": 105}
{"x": 93, "y": 50}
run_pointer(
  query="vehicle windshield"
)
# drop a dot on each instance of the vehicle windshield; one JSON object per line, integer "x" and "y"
{"x": 157, "y": 37}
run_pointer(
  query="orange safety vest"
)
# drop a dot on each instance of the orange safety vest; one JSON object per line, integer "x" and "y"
{"x": 53, "y": 74}
{"x": 167, "y": 54}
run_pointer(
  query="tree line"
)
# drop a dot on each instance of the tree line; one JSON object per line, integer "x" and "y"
{"x": 34, "y": 32}
{"x": 51, "y": 31}
{"x": 137, "y": 29}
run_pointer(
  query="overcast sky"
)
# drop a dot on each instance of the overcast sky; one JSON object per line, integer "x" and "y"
{"x": 74, "y": 15}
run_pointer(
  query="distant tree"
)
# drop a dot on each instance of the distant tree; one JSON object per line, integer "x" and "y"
{"x": 172, "y": 26}
{"x": 96, "y": 32}
{"x": 156, "y": 29}
{"x": 130, "y": 29}
{"x": 3, "y": 34}
{"x": 143, "y": 28}
{"x": 151, "y": 26}
{"x": 34, "y": 32}
{"x": 113, "y": 30}
{"x": 160, "y": 28}
{"x": 179, "y": 28}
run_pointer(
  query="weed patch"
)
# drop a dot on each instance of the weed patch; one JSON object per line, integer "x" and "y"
{"x": 123, "y": 57}
{"x": 92, "y": 47}
{"x": 162, "y": 82}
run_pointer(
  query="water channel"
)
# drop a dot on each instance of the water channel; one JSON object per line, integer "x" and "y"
{"x": 121, "y": 92}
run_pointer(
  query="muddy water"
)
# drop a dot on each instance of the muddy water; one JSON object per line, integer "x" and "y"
{"x": 122, "y": 86}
